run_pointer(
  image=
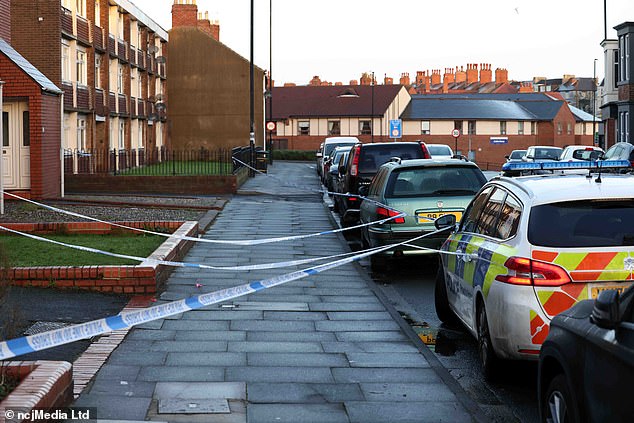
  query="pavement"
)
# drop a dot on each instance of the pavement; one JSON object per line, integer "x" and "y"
{"x": 327, "y": 348}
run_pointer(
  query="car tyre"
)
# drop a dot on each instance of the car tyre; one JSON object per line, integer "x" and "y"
{"x": 488, "y": 358}
{"x": 558, "y": 404}
{"x": 378, "y": 263}
{"x": 441, "y": 301}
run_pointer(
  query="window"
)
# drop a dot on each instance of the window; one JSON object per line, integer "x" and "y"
{"x": 520, "y": 128}
{"x": 471, "y": 127}
{"x": 559, "y": 128}
{"x": 470, "y": 219}
{"x": 488, "y": 222}
{"x": 569, "y": 128}
{"x": 303, "y": 127}
{"x": 120, "y": 78}
{"x": 65, "y": 61}
{"x": 627, "y": 126}
{"x": 626, "y": 65}
{"x": 98, "y": 59}
{"x": 5, "y": 129}
{"x": 81, "y": 67}
{"x": 140, "y": 37}
{"x": 503, "y": 128}
{"x": 67, "y": 4}
{"x": 120, "y": 25}
{"x": 616, "y": 69}
{"x": 334, "y": 127}
{"x": 80, "y": 8}
{"x": 140, "y": 134}
{"x": 139, "y": 82}
{"x": 121, "y": 135}
{"x": 509, "y": 218}
{"x": 622, "y": 58}
{"x": 425, "y": 127}
{"x": 26, "y": 126}
{"x": 97, "y": 13}
{"x": 81, "y": 134}
{"x": 533, "y": 128}
{"x": 365, "y": 127}
{"x": 457, "y": 124}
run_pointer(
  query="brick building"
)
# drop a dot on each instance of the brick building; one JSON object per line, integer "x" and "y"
{"x": 31, "y": 109}
{"x": 209, "y": 86}
{"x": 625, "y": 84}
{"x": 109, "y": 58}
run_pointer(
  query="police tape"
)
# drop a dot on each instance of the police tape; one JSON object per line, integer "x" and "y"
{"x": 206, "y": 240}
{"x": 45, "y": 340}
{"x": 264, "y": 266}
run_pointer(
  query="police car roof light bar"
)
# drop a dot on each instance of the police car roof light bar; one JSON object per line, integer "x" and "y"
{"x": 594, "y": 165}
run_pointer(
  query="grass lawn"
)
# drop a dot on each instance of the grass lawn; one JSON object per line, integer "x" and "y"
{"x": 176, "y": 167}
{"x": 24, "y": 252}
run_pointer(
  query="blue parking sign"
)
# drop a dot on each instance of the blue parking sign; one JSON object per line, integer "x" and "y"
{"x": 396, "y": 128}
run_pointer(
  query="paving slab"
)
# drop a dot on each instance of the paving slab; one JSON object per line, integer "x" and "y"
{"x": 304, "y": 393}
{"x": 184, "y": 390}
{"x": 293, "y": 413}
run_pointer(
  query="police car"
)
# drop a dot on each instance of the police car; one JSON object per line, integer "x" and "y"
{"x": 530, "y": 247}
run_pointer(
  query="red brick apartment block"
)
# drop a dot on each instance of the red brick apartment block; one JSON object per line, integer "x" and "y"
{"x": 5, "y": 20}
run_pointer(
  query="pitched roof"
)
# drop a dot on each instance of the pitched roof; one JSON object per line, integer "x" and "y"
{"x": 423, "y": 107}
{"x": 28, "y": 68}
{"x": 581, "y": 116}
{"x": 332, "y": 100}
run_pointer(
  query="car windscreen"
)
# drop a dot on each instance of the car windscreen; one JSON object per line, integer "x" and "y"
{"x": 517, "y": 154}
{"x": 373, "y": 156}
{"x": 439, "y": 150}
{"x": 547, "y": 153}
{"x": 584, "y": 223}
{"x": 331, "y": 146}
{"x": 434, "y": 181}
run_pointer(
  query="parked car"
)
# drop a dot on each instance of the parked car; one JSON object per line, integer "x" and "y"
{"x": 529, "y": 248}
{"x": 542, "y": 152}
{"x": 581, "y": 152}
{"x": 331, "y": 167}
{"x": 362, "y": 164}
{"x": 586, "y": 365}
{"x": 329, "y": 145}
{"x": 319, "y": 156}
{"x": 515, "y": 156}
{"x": 423, "y": 189}
{"x": 620, "y": 151}
{"x": 440, "y": 151}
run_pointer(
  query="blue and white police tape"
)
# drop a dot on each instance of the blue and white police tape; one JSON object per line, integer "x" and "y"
{"x": 206, "y": 240}
{"x": 276, "y": 265}
{"x": 54, "y": 338}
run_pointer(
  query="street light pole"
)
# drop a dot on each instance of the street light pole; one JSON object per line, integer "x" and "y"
{"x": 251, "y": 103}
{"x": 372, "y": 112}
{"x": 594, "y": 102}
{"x": 271, "y": 79}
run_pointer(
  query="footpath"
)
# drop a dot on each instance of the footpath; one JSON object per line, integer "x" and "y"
{"x": 326, "y": 348}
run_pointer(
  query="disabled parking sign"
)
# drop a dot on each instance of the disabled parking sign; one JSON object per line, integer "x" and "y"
{"x": 396, "y": 128}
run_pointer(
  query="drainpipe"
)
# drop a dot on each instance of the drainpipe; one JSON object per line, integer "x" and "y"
{"x": 61, "y": 146}
{"x": 1, "y": 153}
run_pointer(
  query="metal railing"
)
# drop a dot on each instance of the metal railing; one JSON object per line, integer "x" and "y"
{"x": 155, "y": 162}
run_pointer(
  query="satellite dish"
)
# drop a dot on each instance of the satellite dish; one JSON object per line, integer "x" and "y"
{"x": 159, "y": 97}
{"x": 160, "y": 106}
{"x": 160, "y": 59}
{"x": 152, "y": 49}
{"x": 153, "y": 116}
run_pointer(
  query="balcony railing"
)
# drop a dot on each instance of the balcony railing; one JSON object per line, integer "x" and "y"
{"x": 69, "y": 101}
{"x": 123, "y": 104}
{"x": 67, "y": 21}
{"x": 112, "y": 43}
{"x": 112, "y": 102}
{"x": 97, "y": 38}
{"x": 83, "y": 97}
{"x": 122, "y": 50}
{"x": 100, "y": 107}
{"x": 83, "y": 32}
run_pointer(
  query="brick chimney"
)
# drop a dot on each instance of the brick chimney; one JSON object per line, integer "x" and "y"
{"x": 388, "y": 81}
{"x": 461, "y": 75}
{"x": 366, "y": 79}
{"x": 435, "y": 77}
{"x": 215, "y": 29}
{"x": 445, "y": 85}
{"x": 315, "y": 82}
{"x": 472, "y": 73}
{"x": 501, "y": 76}
{"x": 354, "y": 82}
{"x": 486, "y": 75}
{"x": 526, "y": 87}
{"x": 449, "y": 76}
{"x": 404, "y": 80}
{"x": 420, "y": 78}
{"x": 203, "y": 23}
{"x": 290, "y": 84}
{"x": 338, "y": 84}
{"x": 184, "y": 13}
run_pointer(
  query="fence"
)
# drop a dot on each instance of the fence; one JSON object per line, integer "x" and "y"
{"x": 156, "y": 162}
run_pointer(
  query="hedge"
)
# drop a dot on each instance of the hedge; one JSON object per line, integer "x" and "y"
{"x": 300, "y": 155}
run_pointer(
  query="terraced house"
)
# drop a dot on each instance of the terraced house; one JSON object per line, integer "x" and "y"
{"x": 109, "y": 59}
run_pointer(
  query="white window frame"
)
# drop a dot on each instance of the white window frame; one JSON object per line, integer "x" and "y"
{"x": 425, "y": 127}
{"x": 81, "y": 134}
{"x": 533, "y": 128}
{"x": 622, "y": 58}
{"x": 66, "y": 75}
{"x": 627, "y": 58}
{"x": 80, "y": 8}
{"x": 627, "y": 126}
{"x": 98, "y": 13}
{"x": 98, "y": 62}
{"x": 560, "y": 128}
{"x": 82, "y": 72}
{"x": 121, "y": 135}
{"x": 119, "y": 78}
{"x": 67, "y": 4}
{"x": 520, "y": 128}
{"x": 120, "y": 26}
{"x": 141, "y": 144}
{"x": 503, "y": 129}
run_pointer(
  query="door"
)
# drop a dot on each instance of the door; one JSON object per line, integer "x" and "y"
{"x": 16, "y": 150}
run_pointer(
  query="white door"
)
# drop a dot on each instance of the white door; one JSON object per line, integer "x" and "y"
{"x": 16, "y": 150}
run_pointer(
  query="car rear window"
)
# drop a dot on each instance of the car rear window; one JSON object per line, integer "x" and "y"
{"x": 434, "y": 181}
{"x": 517, "y": 154}
{"x": 439, "y": 150}
{"x": 586, "y": 154}
{"x": 548, "y": 153}
{"x": 586, "y": 223}
{"x": 373, "y": 156}
{"x": 331, "y": 146}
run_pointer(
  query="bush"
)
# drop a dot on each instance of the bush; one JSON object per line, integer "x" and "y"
{"x": 300, "y": 155}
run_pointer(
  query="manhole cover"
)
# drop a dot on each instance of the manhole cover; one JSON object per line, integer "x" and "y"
{"x": 40, "y": 327}
{"x": 194, "y": 406}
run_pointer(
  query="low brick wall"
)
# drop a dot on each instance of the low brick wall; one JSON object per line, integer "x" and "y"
{"x": 145, "y": 278}
{"x": 185, "y": 185}
{"x": 95, "y": 228}
{"x": 44, "y": 384}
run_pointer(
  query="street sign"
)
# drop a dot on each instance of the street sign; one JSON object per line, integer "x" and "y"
{"x": 270, "y": 126}
{"x": 396, "y": 128}
{"x": 455, "y": 133}
{"x": 499, "y": 140}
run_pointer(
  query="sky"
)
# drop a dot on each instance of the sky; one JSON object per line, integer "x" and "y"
{"x": 338, "y": 40}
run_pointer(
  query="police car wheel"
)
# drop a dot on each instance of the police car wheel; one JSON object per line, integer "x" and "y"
{"x": 488, "y": 359}
{"x": 443, "y": 311}
{"x": 558, "y": 405}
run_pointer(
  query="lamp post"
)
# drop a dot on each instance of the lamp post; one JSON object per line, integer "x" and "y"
{"x": 2, "y": 152}
{"x": 594, "y": 102}
{"x": 372, "y": 112}
{"x": 251, "y": 104}
{"x": 270, "y": 79}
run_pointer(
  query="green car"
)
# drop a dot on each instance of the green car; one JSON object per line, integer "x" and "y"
{"x": 422, "y": 189}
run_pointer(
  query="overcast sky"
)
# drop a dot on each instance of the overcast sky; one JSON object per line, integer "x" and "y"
{"x": 340, "y": 39}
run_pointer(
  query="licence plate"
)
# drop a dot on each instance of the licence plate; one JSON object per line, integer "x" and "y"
{"x": 595, "y": 290}
{"x": 429, "y": 217}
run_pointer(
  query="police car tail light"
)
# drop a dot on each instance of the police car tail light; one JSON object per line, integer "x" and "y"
{"x": 384, "y": 213}
{"x": 524, "y": 271}
{"x": 354, "y": 169}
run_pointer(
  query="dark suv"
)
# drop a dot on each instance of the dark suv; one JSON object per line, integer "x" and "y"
{"x": 363, "y": 162}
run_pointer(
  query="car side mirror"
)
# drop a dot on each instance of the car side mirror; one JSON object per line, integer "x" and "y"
{"x": 605, "y": 313}
{"x": 364, "y": 190}
{"x": 507, "y": 157}
{"x": 319, "y": 155}
{"x": 446, "y": 221}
